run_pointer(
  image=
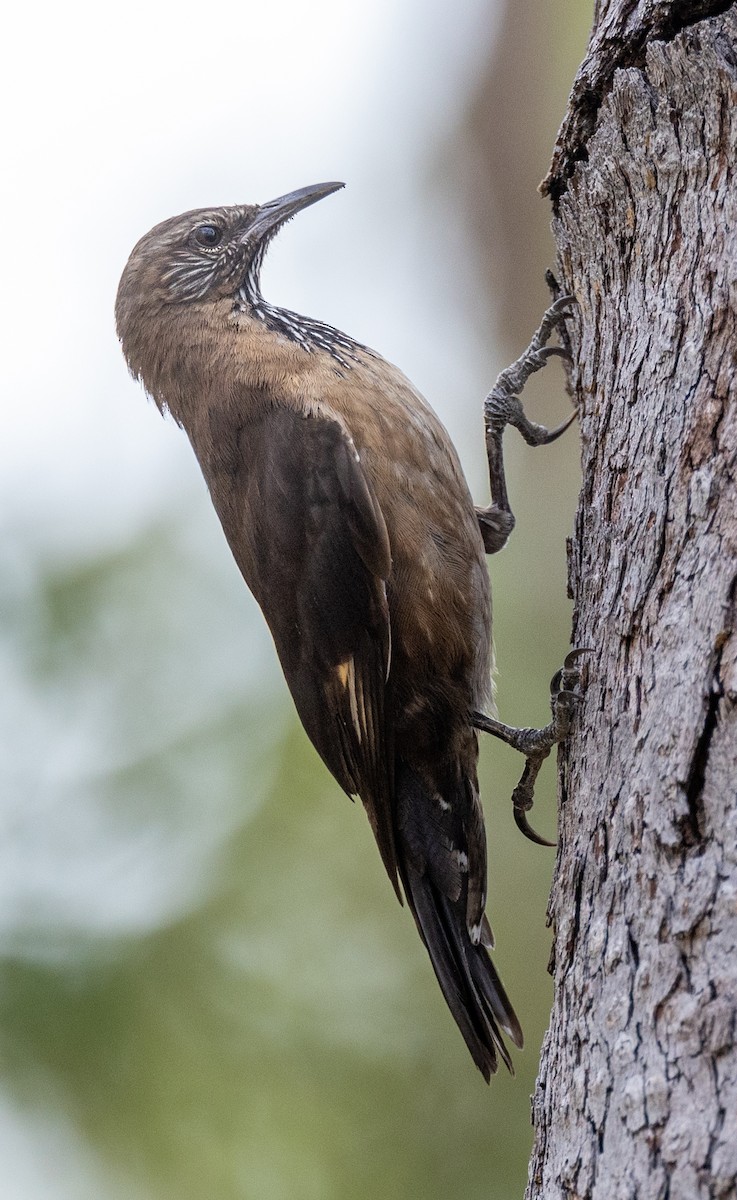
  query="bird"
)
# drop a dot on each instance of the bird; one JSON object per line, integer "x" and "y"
{"x": 346, "y": 509}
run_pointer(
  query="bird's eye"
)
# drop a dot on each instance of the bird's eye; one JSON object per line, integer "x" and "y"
{"x": 207, "y": 235}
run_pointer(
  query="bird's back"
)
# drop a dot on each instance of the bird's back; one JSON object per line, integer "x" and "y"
{"x": 438, "y": 589}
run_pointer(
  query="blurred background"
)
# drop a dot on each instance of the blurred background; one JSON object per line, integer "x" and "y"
{"x": 207, "y": 988}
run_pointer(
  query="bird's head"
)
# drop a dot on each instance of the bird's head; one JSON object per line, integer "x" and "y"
{"x": 206, "y": 254}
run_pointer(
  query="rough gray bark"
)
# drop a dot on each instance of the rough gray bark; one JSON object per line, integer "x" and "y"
{"x": 637, "y": 1093}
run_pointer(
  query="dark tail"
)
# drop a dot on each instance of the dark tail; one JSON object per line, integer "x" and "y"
{"x": 431, "y": 834}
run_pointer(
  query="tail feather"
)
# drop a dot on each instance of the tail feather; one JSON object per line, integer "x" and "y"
{"x": 441, "y": 856}
{"x": 471, "y": 987}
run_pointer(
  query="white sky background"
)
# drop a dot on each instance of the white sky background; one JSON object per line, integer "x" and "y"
{"x": 116, "y": 117}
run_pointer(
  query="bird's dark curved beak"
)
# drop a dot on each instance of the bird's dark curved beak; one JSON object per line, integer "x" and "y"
{"x": 274, "y": 213}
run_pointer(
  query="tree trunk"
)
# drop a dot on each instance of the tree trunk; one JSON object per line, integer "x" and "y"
{"x": 637, "y": 1092}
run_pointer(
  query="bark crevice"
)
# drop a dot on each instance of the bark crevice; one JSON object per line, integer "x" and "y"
{"x": 694, "y": 786}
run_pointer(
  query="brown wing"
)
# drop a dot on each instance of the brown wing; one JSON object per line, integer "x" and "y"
{"x": 311, "y": 542}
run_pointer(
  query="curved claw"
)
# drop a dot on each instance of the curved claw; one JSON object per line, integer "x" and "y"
{"x": 572, "y": 655}
{"x": 555, "y": 352}
{"x": 554, "y": 434}
{"x": 568, "y": 668}
{"x": 563, "y": 302}
{"x": 520, "y": 820}
{"x": 557, "y": 691}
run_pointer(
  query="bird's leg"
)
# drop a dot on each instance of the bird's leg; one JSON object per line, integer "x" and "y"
{"x": 536, "y": 744}
{"x": 503, "y": 407}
